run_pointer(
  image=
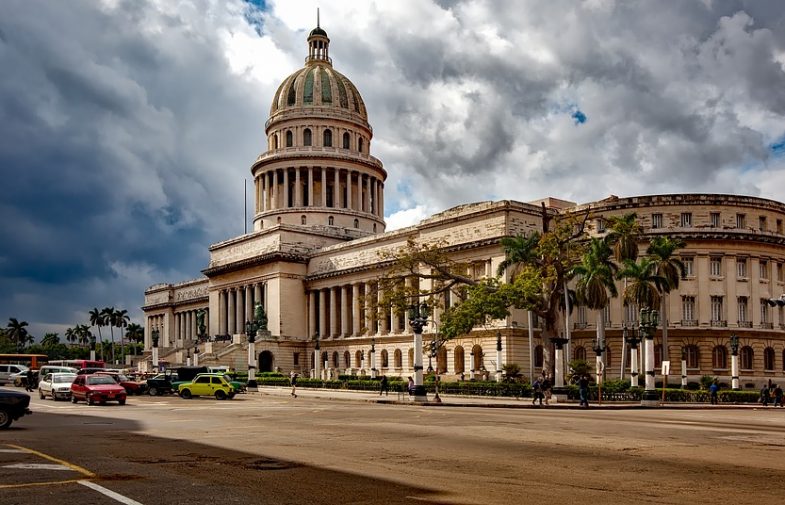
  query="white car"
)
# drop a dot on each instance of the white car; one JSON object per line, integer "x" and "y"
{"x": 56, "y": 385}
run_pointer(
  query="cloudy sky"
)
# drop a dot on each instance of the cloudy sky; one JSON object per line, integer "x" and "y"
{"x": 127, "y": 127}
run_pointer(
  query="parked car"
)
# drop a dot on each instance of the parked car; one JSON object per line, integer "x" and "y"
{"x": 132, "y": 387}
{"x": 97, "y": 389}
{"x": 207, "y": 384}
{"x": 6, "y": 371}
{"x": 162, "y": 383}
{"x": 13, "y": 405}
{"x": 239, "y": 387}
{"x": 56, "y": 369}
{"x": 56, "y": 385}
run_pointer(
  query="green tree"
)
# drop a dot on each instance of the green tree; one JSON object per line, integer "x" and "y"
{"x": 50, "y": 340}
{"x": 17, "y": 332}
{"x": 134, "y": 333}
{"x": 97, "y": 319}
{"x": 71, "y": 335}
{"x": 624, "y": 234}
{"x": 671, "y": 268}
{"x": 644, "y": 284}
{"x": 110, "y": 321}
{"x": 83, "y": 334}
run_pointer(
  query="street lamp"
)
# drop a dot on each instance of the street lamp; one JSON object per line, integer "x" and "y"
{"x": 155, "y": 335}
{"x": 418, "y": 317}
{"x": 188, "y": 357}
{"x": 558, "y": 343}
{"x": 373, "y": 358}
{"x": 734, "y": 361}
{"x": 196, "y": 354}
{"x": 251, "y": 327}
{"x": 684, "y": 368}
{"x": 648, "y": 325}
{"x": 316, "y": 357}
{"x": 498, "y": 356}
{"x": 632, "y": 339}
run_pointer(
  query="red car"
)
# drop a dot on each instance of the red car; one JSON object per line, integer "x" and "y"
{"x": 97, "y": 389}
{"x": 132, "y": 387}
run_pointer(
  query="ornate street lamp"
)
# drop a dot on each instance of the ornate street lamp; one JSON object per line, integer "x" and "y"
{"x": 373, "y": 358}
{"x": 498, "y": 356}
{"x": 734, "y": 361}
{"x": 631, "y": 338}
{"x": 317, "y": 366}
{"x": 648, "y": 325}
{"x": 196, "y": 354}
{"x": 418, "y": 317}
{"x": 558, "y": 344}
{"x": 599, "y": 349}
{"x": 251, "y": 327}
{"x": 155, "y": 335}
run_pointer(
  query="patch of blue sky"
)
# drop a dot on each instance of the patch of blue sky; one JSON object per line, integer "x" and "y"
{"x": 573, "y": 110}
{"x": 579, "y": 116}
{"x": 778, "y": 148}
{"x": 253, "y": 14}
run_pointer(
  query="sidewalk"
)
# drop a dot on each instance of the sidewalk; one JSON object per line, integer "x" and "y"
{"x": 476, "y": 401}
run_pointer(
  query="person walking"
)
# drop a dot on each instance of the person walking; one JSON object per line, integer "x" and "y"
{"x": 547, "y": 390}
{"x": 764, "y": 395}
{"x": 537, "y": 390}
{"x": 583, "y": 390}
{"x": 410, "y": 386}
{"x": 30, "y": 380}
{"x": 293, "y": 380}
{"x": 777, "y": 395}
{"x": 714, "y": 390}
{"x": 384, "y": 386}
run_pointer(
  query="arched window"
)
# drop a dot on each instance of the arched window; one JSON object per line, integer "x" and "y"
{"x": 327, "y": 138}
{"x": 745, "y": 357}
{"x": 398, "y": 359}
{"x": 719, "y": 357}
{"x": 768, "y": 359}
{"x": 385, "y": 359}
{"x": 441, "y": 360}
{"x": 324, "y": 357}
{"x": 289, "y": 138}
{"x": 331, "y": 221}
{"x": 360, "y": 145}
{"x": 303, "y": 219}
{"x": 307, "y": 141}
{"x": 346, "y": 141}
{"x": 278, "y": 220}
{"x": 411, "y": 358}
{"x": 580, "y": 353}
{"x": 347, "y": 359}
{"x": 374, "y": 227}
{"x": 538, "y": 357}
{"x": 477, "y": 361}
{"x": 275, "y": 141}
{"x": 692, "y": 355}
{"x": 358, "y": 359}
{"x": 458, "y": 359}
{"x": 356, "y": 223}
{"x": 336, "y": 362}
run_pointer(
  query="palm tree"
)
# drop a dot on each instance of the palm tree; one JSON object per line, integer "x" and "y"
{"x": 134, "y": 333}
{"x": 83, "y": 334}
{"x": 121, "y": 321}
{"x": 17, "y": 332}
{"x": 661, "y": 249}
{"x": 624, "y": 234}
{"x": 518, "y": 251}
{"x": 109, "y": 320}
{"x": 50, "y": 339}
{"x": 71, "y": 336}
{"x": 596, "y": 274}
{"x": 97, "y": 319}
{"x": 645, "y": 284}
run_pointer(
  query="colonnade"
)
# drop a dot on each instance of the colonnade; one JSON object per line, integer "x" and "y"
{"x": 236, "y": 306}
{"x": 320, "y": 187}
{"x": 185, "y": 327}
{"x": 157, "y": 322}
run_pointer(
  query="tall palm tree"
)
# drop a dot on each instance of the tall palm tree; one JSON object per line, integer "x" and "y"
{"x": 97, "y": 319}
{"x": 596, "y": 284}
{"x": 110, "y": 320}
{"x": 83, "y": 334}
{"x": 70, "y": 335}
{"x": 134, "y": 333}
{"x": 50, "y": 339}
{"x": 671, "y": 268}
{"x": 121, "y": 320}
{"x": 645, "y": 284}
{"x": 518, "y": 251}
{"x": 624, "y": 233}
{"x": 17, "y": 332}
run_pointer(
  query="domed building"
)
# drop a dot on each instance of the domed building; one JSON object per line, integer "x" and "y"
{"x": 316, "y": 253}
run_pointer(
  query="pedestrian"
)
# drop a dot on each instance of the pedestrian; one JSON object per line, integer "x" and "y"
{"x": 764, "y": 395}
{"x": 410, "y": 386}
{"x": 777, "y": 395}
{"x": 583, "y": 389}
{"x": 293, "y": 380}
{"x": 537, "y": 390}
{"x": 384, "y": 386}
{"x": 547, "y": 388}
{"x": 29, "y": 380}
{"x": 713, "y": 390}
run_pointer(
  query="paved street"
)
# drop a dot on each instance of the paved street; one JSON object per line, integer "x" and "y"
{"x": 270, "y": 448}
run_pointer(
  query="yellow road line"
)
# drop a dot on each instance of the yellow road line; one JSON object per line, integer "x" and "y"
{"x": 34, "y": 484}
{"x": 73, "y": 467}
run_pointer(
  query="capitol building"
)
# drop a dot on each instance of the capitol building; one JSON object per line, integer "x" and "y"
{"x": 316, "y": 253}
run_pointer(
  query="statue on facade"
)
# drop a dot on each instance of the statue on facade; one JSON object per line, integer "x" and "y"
{"x": 260, "y": 317}
{"x": 201, "y": 328}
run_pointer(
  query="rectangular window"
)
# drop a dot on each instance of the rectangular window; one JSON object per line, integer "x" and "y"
{"x": 779, "y": 226}
{"x": 689, "y": 266}
{"x": 743, "y": 309}
{"x": 741, "y": 221}
{"x": 762, "y": 223}
{"x": 741, "y": 268}
{"x": 716, "y": 309}
{"x": 582, "y": 315}
{"x": 763, "y": 270}
{"x": 715, "y": 219}
{"x": 779, "y": 272}
{"x": 630, "y": 313}
{"x": 600, "y": 225}
{"x": 686, "y": 219}
{"x": 764, "y": 311}
{"x": 296, "y": 358}
{"x": 688, "y": 309}
{"x": 656, "y": 220}
{"x": 715, "y": 267}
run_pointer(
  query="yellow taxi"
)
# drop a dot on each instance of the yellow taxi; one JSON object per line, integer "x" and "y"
{"x": 207, "y": 384}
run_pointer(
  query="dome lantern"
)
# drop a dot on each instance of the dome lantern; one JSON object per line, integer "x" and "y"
{"x": 318, "y": 44}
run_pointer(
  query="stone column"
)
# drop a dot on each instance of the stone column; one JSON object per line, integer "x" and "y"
{"x": 336, "y": 188}
{"x": 230, "y": 312}
{"x": 382, "y": 313}
{"x": 734, "y": 370}
{"x": 248, "y": 303}
{"x": 367, "y": 194}
{"x": 312, "y": 328}
{"x": 263, "y": 180}
{"x": 322, "y": 314}
{"x": 344, "y": 310}
{"x": 222, "y": 312}
{"x": 356, "y": 309}
{"x": 285, "y": 188}
{"x": 370, "y": 318}
{"x": 257, "y": 294}
{"x": 381, "y": 200}
{"x": 177, "y": 327}
{"x": 324, "y": 187}
{"x": 333, "y": 312}
{"x": 373, "y": 196}
{"x": 274, "y": 189}
{"x": 240, "y": 310}
{"x": 298, "y": 189}
{"x": 310, "y": 186}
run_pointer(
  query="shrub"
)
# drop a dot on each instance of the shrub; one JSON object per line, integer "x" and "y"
{"x": 706, "y": 381}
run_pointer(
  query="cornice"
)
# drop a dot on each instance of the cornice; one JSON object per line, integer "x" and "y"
{"x": 254, "y": 261}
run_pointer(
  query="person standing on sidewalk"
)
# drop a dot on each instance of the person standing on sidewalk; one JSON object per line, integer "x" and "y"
{"x": 583, "y": 389}
{"x": 713, "y": 390}
{"x": 777, "y": 395}
{"x": 293, "y": 380}
{"x": 537, "y": 391}
{"x": 384, "y": 386}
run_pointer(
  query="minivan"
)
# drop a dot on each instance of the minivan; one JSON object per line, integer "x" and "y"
{"x": 7, "y": 370}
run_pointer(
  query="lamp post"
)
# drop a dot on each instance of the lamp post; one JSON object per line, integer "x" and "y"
{"x": 155, "y": 334}
{"x": 92, "y": 348}
{"x": 684, "y": 368}
{"x": 648, "y": 325}
{"x": 196, "y": 354}
{"x": 498, "y": 356}
{"x": 631, "y": 338}
{"x": 734, "y": 361}
{"x": 188, "y": 357}
{"x": 558, "y": 344}
{"x": 431, "y": 355}
{"x": 418, "y": 317}
{"x": 317, "y": 357}
{"x": 599, "y": 349}
{"x": 251, "y": 327}
{"x": 373, "y": 358}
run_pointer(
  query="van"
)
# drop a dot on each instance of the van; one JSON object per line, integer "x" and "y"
{"x": 7, "y": 370}
{"x": 218, "y": 369}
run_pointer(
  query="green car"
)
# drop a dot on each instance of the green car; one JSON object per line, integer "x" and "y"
{"x": 207, "y": 384}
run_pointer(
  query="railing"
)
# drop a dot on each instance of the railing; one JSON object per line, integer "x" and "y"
{"x": 719, "y": 323}
{"x": 580, "y": 326}
{"x": 745, "y": 324}
{"x": 767, "y": 326}
{"x": 689, "y": 322}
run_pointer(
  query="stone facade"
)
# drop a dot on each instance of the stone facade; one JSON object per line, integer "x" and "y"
{"x": 316, "y": 253}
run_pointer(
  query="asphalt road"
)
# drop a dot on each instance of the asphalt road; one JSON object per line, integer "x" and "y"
{"x": 259, "y": 449}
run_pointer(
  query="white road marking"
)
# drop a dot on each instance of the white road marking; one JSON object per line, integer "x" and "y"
{"x": 39, "y": 466}
{"x": 11, "y": 450}
{"x": 107, "y": 492}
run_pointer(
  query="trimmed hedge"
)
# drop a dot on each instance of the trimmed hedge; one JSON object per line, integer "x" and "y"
{"x": 633, "y": 394}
